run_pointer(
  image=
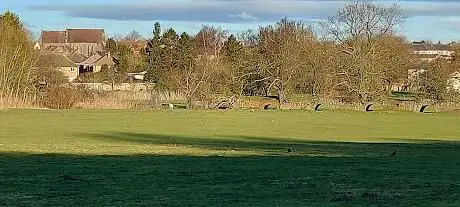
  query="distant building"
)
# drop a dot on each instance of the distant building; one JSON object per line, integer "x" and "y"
{"x": 82, "y": 41}
{"x": 74, "y": 65}
{"x": 94, "y": 63}
{"x": 60, "y": 63}
{"x": 75, "y": 51}
{"x": 429, "y": 51}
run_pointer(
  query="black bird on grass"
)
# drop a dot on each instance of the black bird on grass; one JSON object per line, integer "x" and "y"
{"x": 317, "y": 108}
{"x": 290, "y": 150}
{"x": 369, "y": 108}
{"x": 393, "y": 154}
{"x": 422, "y": 110}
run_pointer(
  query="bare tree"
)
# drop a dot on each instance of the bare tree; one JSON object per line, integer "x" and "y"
{"x": 133, "y": 36}
{"x": 191, "y": 74}
{"x": 363, "y": 20}
{"x": 209, "y": 41}
{"x": 17, "y": 59}
{"x": 316, "y": 78}
{"x": 358, "y": 28}
{"x": 394, "y": 59}
{"x": 281, "y": 54}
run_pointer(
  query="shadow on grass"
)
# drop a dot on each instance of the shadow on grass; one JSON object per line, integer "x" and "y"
{"x": 281, "y": 146}
{"x": 421, "y": 174}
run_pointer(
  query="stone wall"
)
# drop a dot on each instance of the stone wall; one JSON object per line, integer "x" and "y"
{"x": 108, "y": 87}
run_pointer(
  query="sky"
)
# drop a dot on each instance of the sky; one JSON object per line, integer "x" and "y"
{"x": 435, "y": 20}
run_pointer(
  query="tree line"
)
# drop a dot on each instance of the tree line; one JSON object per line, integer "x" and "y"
{"x": 354, "y": 56}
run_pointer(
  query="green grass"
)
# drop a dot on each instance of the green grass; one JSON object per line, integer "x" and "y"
{"x": 228, "y": 158}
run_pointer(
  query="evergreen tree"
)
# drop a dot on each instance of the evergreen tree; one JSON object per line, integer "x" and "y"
{"x": 125, "y": 56}
{"x": 169, "y": 42}
{"x": 153, "y": 58}
{"x": 232, "y": 50}
{"x": 12, "y": 19}
{"x": 185, "y": 52}
{"x": 111, "y": 46}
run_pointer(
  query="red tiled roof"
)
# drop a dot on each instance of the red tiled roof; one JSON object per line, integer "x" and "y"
{"x": 53, "y": 36}
{"x": 85, "y": 35}
{"x": 73, "y": 36}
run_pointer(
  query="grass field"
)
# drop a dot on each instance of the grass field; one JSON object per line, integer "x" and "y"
{"x": 228, "y": 158}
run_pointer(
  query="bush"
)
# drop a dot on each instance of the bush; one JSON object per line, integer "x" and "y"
{"x": 59, "y": 97}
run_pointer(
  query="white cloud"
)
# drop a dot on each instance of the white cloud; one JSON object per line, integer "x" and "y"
{"x": 244, "y": 16}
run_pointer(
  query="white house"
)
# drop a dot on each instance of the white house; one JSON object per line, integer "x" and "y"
{"x": 429, "y": 51}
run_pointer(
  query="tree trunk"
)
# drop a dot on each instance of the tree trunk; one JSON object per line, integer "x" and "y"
{"x": 281, "y": 96}
{"x": 189, "y": 102}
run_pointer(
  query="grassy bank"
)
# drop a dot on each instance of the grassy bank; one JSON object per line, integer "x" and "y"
{"x": 234, "y": 158}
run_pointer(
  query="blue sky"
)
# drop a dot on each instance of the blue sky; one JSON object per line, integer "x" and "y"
{"x": 436, "y": 20}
